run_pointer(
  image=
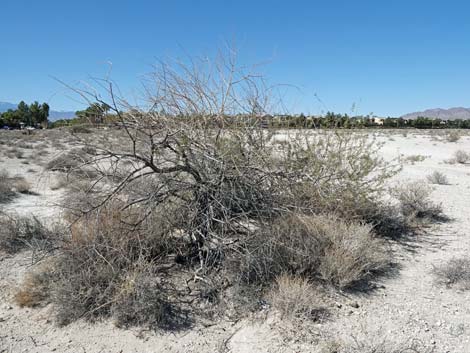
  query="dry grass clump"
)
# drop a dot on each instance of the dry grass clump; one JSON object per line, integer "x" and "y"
{"x": 18, "y": 233}
{"x": 452, "y": 136}
{"x": 343, "y": 254}
{"x": 438, "y": 178}
{"x": 60, "y": 182}
{"x": 10, "y": 186}
{"x": 25, "y": 145}
{"x": 141, "y": 300}
{"x": 414, "y": 158}
{"x": 108, "y": 269}
{"x": 6, "y": 188}
{"x": 35, "y": 287}
{"x": 79, "y": 129}
{"x": 22, "y": 186}
{"x": 73, "y": 161}
{"x": 295, "y": 297}
{"x": 415, "y": 202}
{"x": 456, "y": 272}
{"x": 379, "y": 345}
{"x": 461, "y": 157}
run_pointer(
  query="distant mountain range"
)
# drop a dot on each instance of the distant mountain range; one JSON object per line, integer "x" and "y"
{"x": 444, "y": 114}
{"x": 53, "y": 114}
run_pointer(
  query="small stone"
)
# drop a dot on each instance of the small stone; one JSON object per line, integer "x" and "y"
{"x": 354, "y": 304}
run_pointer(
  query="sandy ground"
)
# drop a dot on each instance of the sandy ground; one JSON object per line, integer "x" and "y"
{"x": 406, "y": 309}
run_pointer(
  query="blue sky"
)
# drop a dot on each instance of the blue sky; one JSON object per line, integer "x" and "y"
{"x": 386, "y": 57}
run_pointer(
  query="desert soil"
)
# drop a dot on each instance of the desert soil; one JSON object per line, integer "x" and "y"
{"x": 408, "y": 308}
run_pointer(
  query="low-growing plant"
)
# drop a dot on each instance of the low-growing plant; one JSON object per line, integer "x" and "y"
{"x": 22, "y": 186}
{"x": 415, "y": 202}
{"x": 453, "y": 136}
{"x": 378, "y": 344}
{"x": 34, "y": 290}
{"x": 107, "y": 268}
{"x": 438, "y": 178}
{"x": 79, "y": 129}
{"x": 71, "y": 161}
{"x": 461, "y": 157}
{"x": 456, "y": 272}
{"x": 18, "y": 233}
{"x": 343, "y": 254}
{"x": 414, "y": 158}
{"x": 6, "y": 188}
{"x": 295, "y": 297}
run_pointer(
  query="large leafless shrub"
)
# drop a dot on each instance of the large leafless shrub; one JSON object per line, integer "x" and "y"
{"x": 190, "y": 195}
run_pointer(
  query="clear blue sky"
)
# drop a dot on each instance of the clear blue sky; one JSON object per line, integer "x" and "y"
{"x": 388, "y": 57}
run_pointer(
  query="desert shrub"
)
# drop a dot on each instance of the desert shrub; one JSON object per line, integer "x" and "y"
{"x": 379, "y": 344}
{"x": 6, "y": 188}
{"x": 196, "y": 188}
{"x": 22, "y": 186}
{"x": 34, "y": 290}
{"x": 351, "y": 255}
{"x": 19, "y": 154}
{"x": 295, "y": 297}
{"x": 337, "y": 173}
{"x": 456, "y": 272}
{"x": 41, "y": 153}
{"x": 25, "y": 145}
{"x": 60, "y": 182}
{"x": 18, "y": 233}
{"x": 415, "y": 201}
{"x": 437, "y": 177}
{"x": 79, "y": 129}
{"x": 343, "y": 254}
{"x": 71, "y": 161}
{"x": 141, "y": 300}
{"x": 452, "y": 136}
{"x": 97, "y": 273}
{"x": 461, "y": 157}
{"x": 414, "y": 158}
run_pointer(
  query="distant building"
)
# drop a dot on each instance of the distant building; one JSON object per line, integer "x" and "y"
{"x": 378, "y": 121}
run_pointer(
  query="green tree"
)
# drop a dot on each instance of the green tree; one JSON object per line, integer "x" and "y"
{"x": 24, "y": 113}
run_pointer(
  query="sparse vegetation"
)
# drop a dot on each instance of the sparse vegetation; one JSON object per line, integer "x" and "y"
{"x": 453, "y": 136}
{"x": 6, "y": 188}
{"x": 414, "y": 158}
{"x": 438, "y": 178}
{"x": 295, "y": 297}
{"x": 18, "y": 233}
{"x": 454, "y": 273}
{"x": 415, "y": 201}
{"x": 72, "y": 161}
{"x": 379, "y": 345}
{"x": 461, "y": 157}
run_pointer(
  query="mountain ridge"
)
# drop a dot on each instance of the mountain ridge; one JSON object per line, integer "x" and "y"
{"x": 440, "y": 113}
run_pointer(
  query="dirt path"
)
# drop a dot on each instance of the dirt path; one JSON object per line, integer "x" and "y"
{"x": 409, "y": 308}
